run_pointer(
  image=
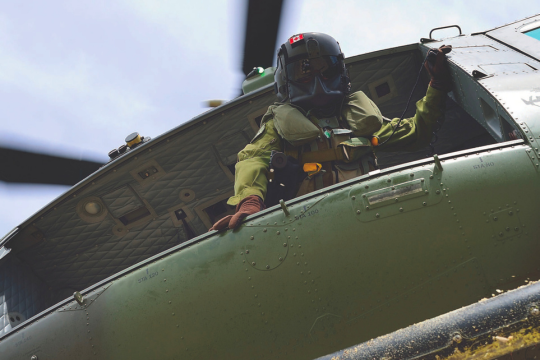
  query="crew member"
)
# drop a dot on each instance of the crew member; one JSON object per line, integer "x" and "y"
{"x": 332, "y": 133}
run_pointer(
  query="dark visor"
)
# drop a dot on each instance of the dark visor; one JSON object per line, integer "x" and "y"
{"x": 304, "y": 70}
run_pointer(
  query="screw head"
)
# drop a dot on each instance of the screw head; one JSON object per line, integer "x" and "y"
{"x": 358, "y": 211}
{"x": 535, "y": 311}
{"x": 457, "y": 338}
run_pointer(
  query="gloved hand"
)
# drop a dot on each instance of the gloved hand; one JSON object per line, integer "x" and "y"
{"x": 249, "y": 205}
{"x": 437, "y": 68}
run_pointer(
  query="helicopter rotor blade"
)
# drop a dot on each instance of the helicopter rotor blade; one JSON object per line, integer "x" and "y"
{"x": 262, "y": 26}
{"x": 19, "y": 166}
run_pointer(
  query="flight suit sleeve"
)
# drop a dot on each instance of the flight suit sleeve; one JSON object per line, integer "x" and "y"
{"x": 414, "y": 133}
{"x": 251, "y": 170}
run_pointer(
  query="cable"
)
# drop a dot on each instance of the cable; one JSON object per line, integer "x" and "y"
{"x": 434, "y": 137}
{"x": 408, "y": 102}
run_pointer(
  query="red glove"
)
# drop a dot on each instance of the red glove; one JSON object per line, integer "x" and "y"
{"x": 437, "y": 68}
{"x": 249, "y": 205}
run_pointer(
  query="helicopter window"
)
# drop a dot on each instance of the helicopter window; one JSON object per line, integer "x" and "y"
{"x": 535, "y": 34}
{"x": 19, "y": 288}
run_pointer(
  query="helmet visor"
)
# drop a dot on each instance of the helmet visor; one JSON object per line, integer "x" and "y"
{"x": 303, "y": 71}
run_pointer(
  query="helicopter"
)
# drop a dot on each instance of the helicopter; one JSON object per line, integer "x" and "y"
{"x": 122, "y": 265}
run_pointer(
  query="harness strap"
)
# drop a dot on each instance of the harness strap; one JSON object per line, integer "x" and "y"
{"x": 321, "y": 156}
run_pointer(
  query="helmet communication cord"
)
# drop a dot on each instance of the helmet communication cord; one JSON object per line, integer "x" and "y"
{"x": 408, "y": 102}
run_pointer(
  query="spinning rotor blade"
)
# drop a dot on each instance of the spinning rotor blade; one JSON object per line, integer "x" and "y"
{"x": 261, "y": 33}
{"x": 18, "y": 166}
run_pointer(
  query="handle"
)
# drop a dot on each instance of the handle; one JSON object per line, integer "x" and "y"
{"x": 444, "y": 27}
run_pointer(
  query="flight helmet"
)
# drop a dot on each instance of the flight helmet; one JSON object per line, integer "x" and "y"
{"x": 311, "y": 72}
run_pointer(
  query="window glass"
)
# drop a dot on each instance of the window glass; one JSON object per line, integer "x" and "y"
{"x": 534, "y": 33}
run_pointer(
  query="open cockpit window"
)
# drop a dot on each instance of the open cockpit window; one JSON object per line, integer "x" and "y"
{"x": 473, "y": 117}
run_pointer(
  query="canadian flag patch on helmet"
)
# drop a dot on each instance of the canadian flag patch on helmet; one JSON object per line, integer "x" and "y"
{"x": 296, "y": 38}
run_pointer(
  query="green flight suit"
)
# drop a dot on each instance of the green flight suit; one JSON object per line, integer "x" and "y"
{"x": 413, "y": 134}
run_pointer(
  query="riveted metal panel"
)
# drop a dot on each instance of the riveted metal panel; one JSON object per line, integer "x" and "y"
{"x": 394, "y": 195}
{"x": 267, "y": 252}
{"x": 519, "y": 96}
{"x": 513, "y": 35}
{"x": 505, "y": 223}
